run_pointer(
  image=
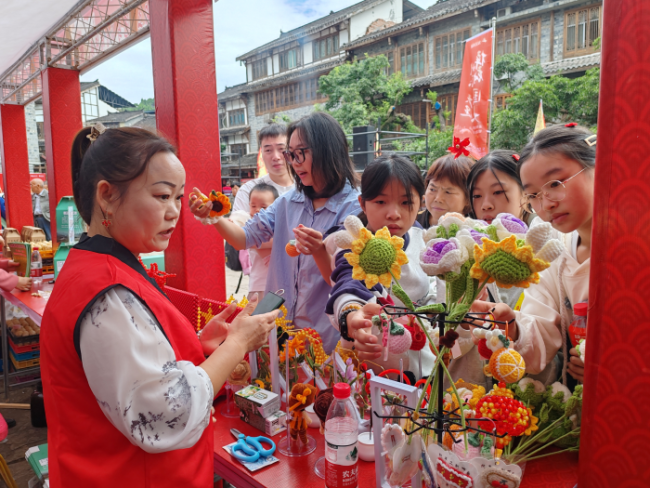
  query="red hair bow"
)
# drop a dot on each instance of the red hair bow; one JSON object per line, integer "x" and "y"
{"x": 459, "y": 147}
{"x": 571, "y": 124}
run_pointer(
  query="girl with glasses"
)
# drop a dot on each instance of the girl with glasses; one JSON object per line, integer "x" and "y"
{"x": 325, "y": 194}
{"x": 557, "y": 172}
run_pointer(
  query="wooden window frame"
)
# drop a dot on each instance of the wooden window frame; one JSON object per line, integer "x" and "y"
{"x": 500, "y": 101}
{"x": 416, "y": 110}
{"x": 231, "y": 115}
{"x": 283, "y": 62}
{"x": 288, "y": 97}
{"x": 405, "y": 60}
{"x": 588, "y": 48}
{"x": 517, "y": 35}
{"x": 445, "y": 51}
{"x": 449, "y": 102}
{"x": 335, "y": 43}
{"x": 265, "y": 63}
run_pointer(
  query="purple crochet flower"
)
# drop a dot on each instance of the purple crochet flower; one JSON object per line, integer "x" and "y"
{"x": 434, "y": 254}
{"x": 477, "y": 236}
{"x": 513, "y": 224}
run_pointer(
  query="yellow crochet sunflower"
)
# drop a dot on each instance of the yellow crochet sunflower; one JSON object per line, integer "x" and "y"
{"x": 374, "y": 258}
{"x": 507, "y": 262}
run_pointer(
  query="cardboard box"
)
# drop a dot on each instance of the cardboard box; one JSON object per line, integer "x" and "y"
{"x": 272, "y": 425}
{"x": 265, "y": 402}
{"x": 9, "y": 234}
{"x": 32, "y": 234}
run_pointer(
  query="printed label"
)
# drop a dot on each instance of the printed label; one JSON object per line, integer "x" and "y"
{"x": 576, "y": 334}
{"x": 341, "y": 466}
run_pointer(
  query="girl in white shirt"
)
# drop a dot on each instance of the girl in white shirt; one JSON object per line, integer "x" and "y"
{"x": 557, "y": 172}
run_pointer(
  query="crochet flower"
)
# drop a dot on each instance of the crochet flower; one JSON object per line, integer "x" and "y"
{"x": 442, "y": 256}
{"x": 507, "y": 224}
{"x": 220, "y": 202}
{"x": 507, "y": 263}
{"x": 544, "y": 247}
{"x": 374, "y": 258}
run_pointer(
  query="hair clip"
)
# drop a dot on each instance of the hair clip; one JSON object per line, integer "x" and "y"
{"x": 95, "y": 131}
{"x": 571, "y": 124}
{"x": 591, "y": 140}
{"x": 459, "y": 148}
{"x": 515, "y": 157}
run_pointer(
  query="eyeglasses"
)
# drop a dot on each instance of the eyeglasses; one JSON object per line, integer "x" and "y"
{"x": 553, "y": 190}
{"x": 298, "y": 155}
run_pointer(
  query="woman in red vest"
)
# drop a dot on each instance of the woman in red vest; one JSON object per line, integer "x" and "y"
{"x": 128, "y": 389}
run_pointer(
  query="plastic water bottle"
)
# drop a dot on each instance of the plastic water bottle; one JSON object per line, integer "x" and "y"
{"x": 36, "y": 270}
{"x": 341, "y": 431}
{"x": 578, "y": 328}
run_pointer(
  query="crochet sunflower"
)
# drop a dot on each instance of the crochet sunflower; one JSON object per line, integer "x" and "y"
{"x": 220, "y": 202}
{"x": 508, "y": 263}
{"x": 374, "y": 258}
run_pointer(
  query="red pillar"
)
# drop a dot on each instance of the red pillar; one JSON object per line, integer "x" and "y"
{"x": 616, "y": 407}
{"x": 15, "y": 166}
{"x": 62, "y": 121}
{"x": 185, "y": 87}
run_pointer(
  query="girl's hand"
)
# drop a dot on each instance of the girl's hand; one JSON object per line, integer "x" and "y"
{"x": 216, "y": 331}
{"x": 501, "y": 313}
{"x": 308, "y": 241}
{"x": 198, "y": 207}
{"x": 362, "y": 319}
{"x": 367, "y": 345}
{"x": 24, "y": 284}
{"x": 252, "y": 332}
{"x": 575, "y": 366}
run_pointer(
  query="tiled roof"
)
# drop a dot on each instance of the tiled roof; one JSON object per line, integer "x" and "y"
{"x": 435, "y": 12}
{"x": 568, "y": 65}
{"x": 119, "y": 117}
{"x": 232, "y": 91}
{"x": 332, "y": 19}
{"x": 87, "y": 85}
{"x": 438, "y": 79}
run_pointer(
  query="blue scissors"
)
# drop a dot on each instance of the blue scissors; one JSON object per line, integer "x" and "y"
{"x": 249, "y": 449}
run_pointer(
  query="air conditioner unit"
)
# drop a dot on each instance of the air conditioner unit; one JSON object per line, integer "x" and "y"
{"x": 502, "y": 12}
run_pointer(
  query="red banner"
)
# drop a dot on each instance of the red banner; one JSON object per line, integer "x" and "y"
{"x": 474, "y": 96}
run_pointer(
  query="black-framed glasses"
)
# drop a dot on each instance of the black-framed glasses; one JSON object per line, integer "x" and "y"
{"x": 554, "y": 190}
{"x": 297, "y": 156}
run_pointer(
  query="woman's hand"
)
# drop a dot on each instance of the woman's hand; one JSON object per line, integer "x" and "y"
{"x": 251, "y": 332}
{"x": 24, "y": 284}
{"x": 501, "y": 313}
{"x": 360, "y": 329}
{"x": 308, "y": 241}
{"x": 197, "y": 206}
{"x": 576, "y": 366}
{"x": 216, "y": 331}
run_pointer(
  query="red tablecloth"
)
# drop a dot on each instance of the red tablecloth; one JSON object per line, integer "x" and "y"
{"x": 551, "y": 472}
{"x": 32, "y": 306}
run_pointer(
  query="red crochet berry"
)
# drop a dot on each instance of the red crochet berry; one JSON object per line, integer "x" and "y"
{"x": 418, "y": 338}
{"x": 483, "y": 350}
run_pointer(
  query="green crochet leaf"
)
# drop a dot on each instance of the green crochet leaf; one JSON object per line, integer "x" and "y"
{"x": 491, "y": 231}
{"x": 474, "y": 439}
{"x": 453, "y": 230}
{"x": 521, "y": 243}
{"x": 399, "y": 292}
{"x": 441, "y": 232}
{"x": 434, "y": 308}
{"x": 458, "y": 312}
{"x": 395, "y": 328}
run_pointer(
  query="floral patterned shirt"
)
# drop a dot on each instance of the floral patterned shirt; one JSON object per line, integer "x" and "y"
{"x": 158, "y": 403}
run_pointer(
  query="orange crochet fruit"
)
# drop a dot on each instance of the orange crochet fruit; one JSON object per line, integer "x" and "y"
{"x": 291, "y": 249}
{"x": 507, "y": 365}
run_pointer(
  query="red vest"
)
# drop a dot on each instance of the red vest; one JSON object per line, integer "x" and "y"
{"x": 84, "y": 448}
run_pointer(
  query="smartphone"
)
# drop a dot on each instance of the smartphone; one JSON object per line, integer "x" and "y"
{"x": 270, "y": 302}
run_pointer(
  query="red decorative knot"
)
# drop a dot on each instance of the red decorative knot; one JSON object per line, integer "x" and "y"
{"x": 571, "y": 124}
{"x": 106, "y": 223}
{"x": 515, "y": 157}
{"x": 459, "y": 147}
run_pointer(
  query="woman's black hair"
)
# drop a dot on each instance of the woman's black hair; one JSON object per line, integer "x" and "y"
{"x": 497, "y": 160}
{"x": 331, "y": 163}
{"x": 385, "y": 169}
{"x": 118, "y": 156}
{"x": 570, "y": 140}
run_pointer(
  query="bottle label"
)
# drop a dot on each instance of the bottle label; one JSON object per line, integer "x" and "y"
{"x": 341, "y": 466}
{"x": 576, "y": 334}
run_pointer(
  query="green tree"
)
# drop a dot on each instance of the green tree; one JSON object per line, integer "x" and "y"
{"x": 146, "y": 104}
{"x": 564, "y": 99}
{"x": 361, "y": 93}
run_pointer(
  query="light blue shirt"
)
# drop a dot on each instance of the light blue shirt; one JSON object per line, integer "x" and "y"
{"x": 305, "y": 291}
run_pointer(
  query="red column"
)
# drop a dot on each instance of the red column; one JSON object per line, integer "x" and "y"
{"x": 15, "y": 166}
{"x": 62, "y": 117}
{"x": 185, "y": 86}
{"x": 616, "y": 407}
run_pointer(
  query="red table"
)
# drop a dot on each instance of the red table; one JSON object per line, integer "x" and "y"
{"x": 551, "y": 472}
{"x": 33, "y": 307}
